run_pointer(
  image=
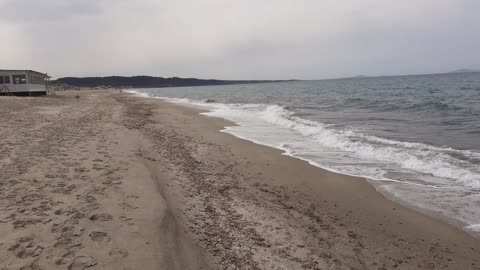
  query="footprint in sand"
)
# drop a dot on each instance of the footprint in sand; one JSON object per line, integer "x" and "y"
{"x": 127, "y": 206}
{"x": 26, "y": 249}
{"x": 99, "y": 237}
{"x": 82, "y": 262}
{"x": 101, "y": 217}
{"x": 118, "y": 253}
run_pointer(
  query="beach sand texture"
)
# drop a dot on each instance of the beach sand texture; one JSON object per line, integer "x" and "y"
{"x": 123, "y": 182}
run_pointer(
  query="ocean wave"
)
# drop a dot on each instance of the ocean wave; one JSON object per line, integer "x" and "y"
{"x": 447, "y": 163}
{"x": 460, "y": 167}
{"x": 434, "y": 106}
{"x": 443, "y": 178}
{"x": 137, "y": 93}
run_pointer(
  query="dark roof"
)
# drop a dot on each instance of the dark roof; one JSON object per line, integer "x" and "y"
{"x": 25, "y": 70}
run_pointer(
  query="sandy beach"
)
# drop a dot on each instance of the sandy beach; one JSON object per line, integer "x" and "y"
{"x": 117, "y": 181}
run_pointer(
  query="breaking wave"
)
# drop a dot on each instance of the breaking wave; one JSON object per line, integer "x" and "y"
{"x": 458, "y": 166}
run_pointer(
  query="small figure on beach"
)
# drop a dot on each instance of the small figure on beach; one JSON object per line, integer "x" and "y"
{"x": 77, "y": 98}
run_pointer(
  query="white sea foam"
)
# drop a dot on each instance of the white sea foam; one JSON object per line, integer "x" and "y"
{"x": 410, "y": 157}
{"x": 474, "y": 227}
{"x": 137, "y": 93}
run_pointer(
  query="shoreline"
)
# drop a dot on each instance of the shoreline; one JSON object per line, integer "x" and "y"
{"x": 123, "y": 181}
{"x": 376, "y": 183}
{"x": 397, "y": 215}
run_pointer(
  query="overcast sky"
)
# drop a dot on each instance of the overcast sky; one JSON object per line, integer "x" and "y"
{"x": 239, "y": 39}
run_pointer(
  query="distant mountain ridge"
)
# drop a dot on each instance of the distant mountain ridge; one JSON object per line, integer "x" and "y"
{"x": 150, "y": 81}
{"x": 464, "y": 70}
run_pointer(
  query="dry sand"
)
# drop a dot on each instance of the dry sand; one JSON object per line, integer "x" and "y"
{"x": 123, "y": 182}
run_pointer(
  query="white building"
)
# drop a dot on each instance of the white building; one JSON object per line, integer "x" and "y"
{"x": 24, "y": 83}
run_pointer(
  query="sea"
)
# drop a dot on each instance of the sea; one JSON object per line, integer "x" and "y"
{"x": 416, "y": 139}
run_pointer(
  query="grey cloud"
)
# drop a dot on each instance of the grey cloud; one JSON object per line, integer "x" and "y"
{"x": 47, "y": 11}
{"x": 240, "y": 39}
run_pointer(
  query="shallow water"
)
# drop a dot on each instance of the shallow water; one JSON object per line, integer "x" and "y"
{"x": 416, "y": 137}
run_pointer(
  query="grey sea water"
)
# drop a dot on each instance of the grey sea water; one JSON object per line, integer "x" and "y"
{"x": 416, "y": 138}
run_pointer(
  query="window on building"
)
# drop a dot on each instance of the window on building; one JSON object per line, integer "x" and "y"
{"x": 33, "y": 79}
{"x": 19, "y": 79}
{"x": 1, "y": 80}
{"x": 7, "y": 79}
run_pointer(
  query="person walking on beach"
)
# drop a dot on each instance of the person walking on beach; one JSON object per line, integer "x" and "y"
{"x": 77, "y": 98}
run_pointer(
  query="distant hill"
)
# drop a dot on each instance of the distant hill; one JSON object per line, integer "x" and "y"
{"x": 356, "y": 77}
{"x": 148, "y": 81}
{"x": 464, "y": 70}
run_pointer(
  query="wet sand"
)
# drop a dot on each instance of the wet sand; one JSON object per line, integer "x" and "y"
{"x": 123, "y": 182}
